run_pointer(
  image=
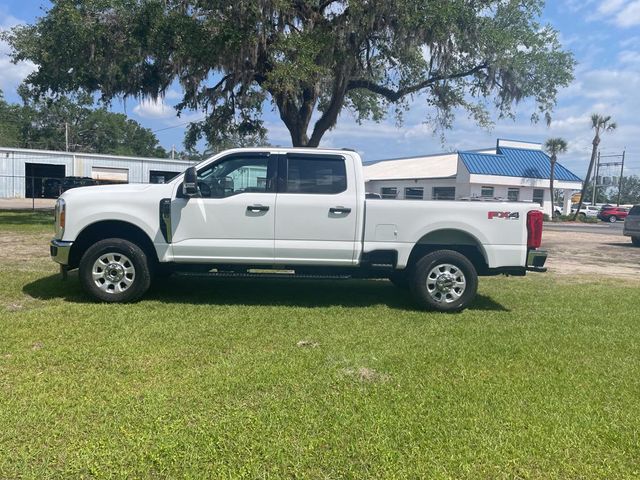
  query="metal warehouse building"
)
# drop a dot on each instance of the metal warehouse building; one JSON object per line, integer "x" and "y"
{"x": 512, "y": 171}
{"x": 25, "y": 173}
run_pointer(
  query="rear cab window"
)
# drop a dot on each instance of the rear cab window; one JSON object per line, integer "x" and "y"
{"x": 316, "y": 174}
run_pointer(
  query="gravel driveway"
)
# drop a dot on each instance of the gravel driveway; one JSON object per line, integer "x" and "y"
{"x": 583, "y": 253}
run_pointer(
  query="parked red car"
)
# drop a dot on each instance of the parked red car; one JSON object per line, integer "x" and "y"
{"x": 613, "y": 214}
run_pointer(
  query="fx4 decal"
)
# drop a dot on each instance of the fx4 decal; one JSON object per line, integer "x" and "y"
{"x": 504, "y": 215}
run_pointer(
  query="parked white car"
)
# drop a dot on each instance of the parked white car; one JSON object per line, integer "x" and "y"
{"x": 297, "y": 210}
{"x": 587, "y": 210}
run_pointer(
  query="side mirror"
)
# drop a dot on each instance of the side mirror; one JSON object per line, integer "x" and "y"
{"x": 190, "y": 184}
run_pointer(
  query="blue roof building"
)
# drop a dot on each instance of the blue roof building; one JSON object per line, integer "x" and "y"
{"x": 515, "y": 162}
{"x": 512, "y": 171}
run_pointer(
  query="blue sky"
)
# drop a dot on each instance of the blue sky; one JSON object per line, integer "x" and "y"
{"x": 603, "y": 34}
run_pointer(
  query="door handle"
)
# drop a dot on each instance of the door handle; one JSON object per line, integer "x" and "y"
{"x": 257, "y": 208}
{"x": 340, "y": 210}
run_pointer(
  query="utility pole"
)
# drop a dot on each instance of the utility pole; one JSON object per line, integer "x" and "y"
{"x": 66, "y": 136}
{"x": 173, "y": 152}
{"x": 595, "y": 181}
{"x": 620, "y": 179}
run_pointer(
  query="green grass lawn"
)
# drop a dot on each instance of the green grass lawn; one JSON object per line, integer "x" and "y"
{"x": 210, "y": 378}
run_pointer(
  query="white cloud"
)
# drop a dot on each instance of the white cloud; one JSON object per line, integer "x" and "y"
{"x": 12, "y": 74}
{"x": 623, "y": 13}
{"x": 630, "y": 42}
{"x": 173, "y": 94}
{"x": 630, "y": 15}
{"x": 610, "y": 6}
{"x": 630, "y": 57}
{"x": 157, "y": 109}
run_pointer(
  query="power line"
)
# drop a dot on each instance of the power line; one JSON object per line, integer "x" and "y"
{"x": 176, "y": 126}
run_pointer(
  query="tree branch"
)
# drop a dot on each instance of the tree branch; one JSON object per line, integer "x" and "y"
{"x": 212, "y": 90}
{"x": 330, "y": 115}
{"x": 395, "y": 95}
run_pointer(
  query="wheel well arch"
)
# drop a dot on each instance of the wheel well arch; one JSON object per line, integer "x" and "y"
{"x": 451, "y": 239}
{"x": 110, "y": 229}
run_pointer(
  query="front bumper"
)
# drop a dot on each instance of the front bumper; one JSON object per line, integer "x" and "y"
{"x": 536, "y": 260}
{"x": 59, "y": 251}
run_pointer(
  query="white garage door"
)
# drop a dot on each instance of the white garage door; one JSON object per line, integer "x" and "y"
{"x": 110, "y": 174}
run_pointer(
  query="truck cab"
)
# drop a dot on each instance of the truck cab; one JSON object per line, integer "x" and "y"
{"x": 270, "y": 208}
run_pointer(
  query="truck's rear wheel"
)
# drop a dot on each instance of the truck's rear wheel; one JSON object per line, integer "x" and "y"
{"x": 115, "y": 270}
{"x": 444, "y": 280}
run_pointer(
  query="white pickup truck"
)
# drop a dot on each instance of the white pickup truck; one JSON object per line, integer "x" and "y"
{"x": 289, "y": 212}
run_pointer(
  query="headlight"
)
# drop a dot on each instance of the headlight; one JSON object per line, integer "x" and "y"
{"x": 60, "y": 217}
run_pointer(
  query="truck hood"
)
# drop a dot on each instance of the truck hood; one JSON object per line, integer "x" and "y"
{"x": 105, "y": 192}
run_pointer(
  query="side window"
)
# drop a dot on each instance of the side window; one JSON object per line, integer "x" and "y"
{"x": 234, "y": 176}
{"x": 316, "y": 175}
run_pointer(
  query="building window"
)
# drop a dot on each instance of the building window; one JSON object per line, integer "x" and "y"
{"x": 513, "y": 194}
{"x": 486, "y": 192}
{"x": 414, "y": 193}
{"x": 443, "y": 193}
{"x": 538, "y": 196}
{"x": 389, "y": 192}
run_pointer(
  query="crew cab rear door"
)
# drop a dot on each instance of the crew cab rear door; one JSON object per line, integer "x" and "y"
{"x": 316, "y": 217}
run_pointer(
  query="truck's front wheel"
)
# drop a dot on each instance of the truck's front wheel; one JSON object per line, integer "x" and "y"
{"x": 444, "y": 280}
{"x": 115, "y": 270}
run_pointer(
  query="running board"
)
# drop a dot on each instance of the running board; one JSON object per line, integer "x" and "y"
{"x": 261, "y": 275}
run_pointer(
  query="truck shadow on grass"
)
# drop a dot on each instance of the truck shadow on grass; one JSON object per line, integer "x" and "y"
{"x": 268, "y": 292}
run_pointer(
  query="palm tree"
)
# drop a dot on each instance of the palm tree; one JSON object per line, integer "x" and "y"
{"x": 553, "y": 147}
{"x": 600, "y": 124}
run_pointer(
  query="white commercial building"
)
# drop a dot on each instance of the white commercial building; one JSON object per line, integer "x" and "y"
{"x": 27, "y": 173}
{"x": 512, "y": 171}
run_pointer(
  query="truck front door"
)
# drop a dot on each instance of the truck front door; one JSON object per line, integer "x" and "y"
{"x": 316, "y": 210}
{"x": 232, "y": 221}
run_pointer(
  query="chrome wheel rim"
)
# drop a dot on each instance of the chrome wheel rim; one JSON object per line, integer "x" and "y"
{"x": 446, "y": 283}
{"x": 113, "y": 272}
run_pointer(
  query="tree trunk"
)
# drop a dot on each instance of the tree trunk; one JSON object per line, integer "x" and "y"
{"x": 551, "y": 177}
{"x": 297, "y": 119}
{"x": 594, "y": 154}
{"x": 297, "y": 114}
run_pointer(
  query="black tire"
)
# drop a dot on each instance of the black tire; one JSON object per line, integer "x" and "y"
{"x": 129, "y": 277}
{"x": 635, "y": 241}
{"x": 449, "y": 264}
{"x": 612, "y": 219}
{"x": 400, "y": 279}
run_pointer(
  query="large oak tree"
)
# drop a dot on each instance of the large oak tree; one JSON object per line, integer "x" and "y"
{"x": 309, "y": 58}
